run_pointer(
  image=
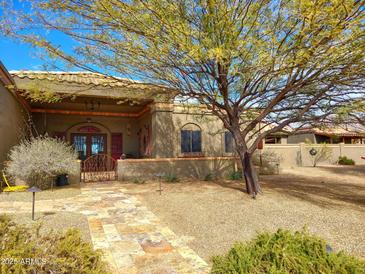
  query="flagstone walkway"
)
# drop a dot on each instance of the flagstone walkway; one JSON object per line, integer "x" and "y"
{"x": 132, "y": 238}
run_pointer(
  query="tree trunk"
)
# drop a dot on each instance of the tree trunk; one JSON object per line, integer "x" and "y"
{"x": 249, "y": 174}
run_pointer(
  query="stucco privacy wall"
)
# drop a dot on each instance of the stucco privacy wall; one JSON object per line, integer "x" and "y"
{"x": 292, "y": 155}
{"x": 12, "y": 122}
{"x": 181, "y": 167}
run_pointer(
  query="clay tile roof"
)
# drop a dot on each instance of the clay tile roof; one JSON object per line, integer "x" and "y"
{"x": 79, "y": 77}
{"x": 340, "y": 130}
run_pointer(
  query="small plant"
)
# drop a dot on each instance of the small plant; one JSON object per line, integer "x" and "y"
{"x": 343, "y": 160}
{"x": 320, "y": 154}
{"x": 285, "y": 252}
{"x": 209, "y": 177}
{"x": 234, "y": 175}
{"x": 171, "y": 178}
{"x": 39, "y": 160}
{"x": 51, "y": 253}
{"x": 138, "y": 181}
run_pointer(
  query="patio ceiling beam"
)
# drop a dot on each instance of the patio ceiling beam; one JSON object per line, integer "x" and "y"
{"x": 90, "y": 113}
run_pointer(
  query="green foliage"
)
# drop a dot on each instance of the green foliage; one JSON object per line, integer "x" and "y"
{"x": 209, "y": 177}
{"x": 39, "y": 160}
{"x": 343, "y": 160}
{"x": 51, "y": 253}
{"x": 234, "y": 175}
{"x": 285, "y": 252}
{"x": 171, "y": 178}
{"x": 138, "y": 181}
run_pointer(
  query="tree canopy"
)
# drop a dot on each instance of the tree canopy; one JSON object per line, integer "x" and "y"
{"x": 276, "y": 62}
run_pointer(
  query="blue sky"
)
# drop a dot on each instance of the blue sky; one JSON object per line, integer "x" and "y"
{"x": 16, "y": 56}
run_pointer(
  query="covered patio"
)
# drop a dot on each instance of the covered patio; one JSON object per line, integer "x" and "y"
{"x": 96, "y": 114}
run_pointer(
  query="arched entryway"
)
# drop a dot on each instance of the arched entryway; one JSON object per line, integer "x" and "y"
{"x": 98, "y": 149}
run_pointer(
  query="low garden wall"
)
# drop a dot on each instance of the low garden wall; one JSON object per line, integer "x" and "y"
{"x": 181, "y": 167}
{"x": 290, "y": 155}
{"x": 76, "y": 177}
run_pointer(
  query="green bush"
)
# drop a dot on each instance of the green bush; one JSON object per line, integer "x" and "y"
{"x": 285, "y": 252}
{"x": 29, "y": 252}
{"x": 234, "y": 175}
{"x": 209, "y": 177}
{"x": 171, "y": 178}
{"x": 343, "y": 160}
{"x": 138, "y": 181}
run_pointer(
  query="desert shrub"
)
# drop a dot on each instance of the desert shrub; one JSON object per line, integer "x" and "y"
{"x": 234, "y": 175}
{"x": 323, "y": 152}
{"x": 171, "y": 178}
{"x": 138, "y": 181}
{"x": 53, "y": 253}
{"x": 39, "y": 160}
{"x": 209, "y": 177}
{"x": 343, "y": 160}
{"x": 285, "y": 252}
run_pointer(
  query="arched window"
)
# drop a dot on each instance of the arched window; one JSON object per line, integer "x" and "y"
{"x": 191, "y": 139}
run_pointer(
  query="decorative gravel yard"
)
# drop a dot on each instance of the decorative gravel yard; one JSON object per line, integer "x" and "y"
{"x": 213, "y": 215}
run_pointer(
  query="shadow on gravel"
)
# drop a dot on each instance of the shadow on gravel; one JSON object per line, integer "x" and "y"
{"x": 320, "y": 191}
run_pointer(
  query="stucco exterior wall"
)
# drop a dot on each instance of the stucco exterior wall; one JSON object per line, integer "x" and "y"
{"x": 167, "y": 122}
{"x": 182, "y": 168}
{"x": 12, "y": 122}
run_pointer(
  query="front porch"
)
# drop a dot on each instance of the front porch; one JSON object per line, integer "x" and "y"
{"x": 94, "y": 113}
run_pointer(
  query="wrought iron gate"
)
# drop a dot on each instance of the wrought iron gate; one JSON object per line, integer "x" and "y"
{"x": 99, "y": 167}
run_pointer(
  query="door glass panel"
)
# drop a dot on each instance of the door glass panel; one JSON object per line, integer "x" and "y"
{"x": 79, "y": 142}
{"x": 97, "y": 144}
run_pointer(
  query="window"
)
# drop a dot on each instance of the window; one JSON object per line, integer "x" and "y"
{"x": 191, "y": 139}
{"x": 228, "y": 142}
{"x": 272, "y": 140}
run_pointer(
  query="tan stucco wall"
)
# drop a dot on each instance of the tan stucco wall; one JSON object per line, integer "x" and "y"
{"x": 182, "y": 168}
{"x": 292, "y": 155}
{"x": 12, "y": 122}
{"x": 168, "y": 120}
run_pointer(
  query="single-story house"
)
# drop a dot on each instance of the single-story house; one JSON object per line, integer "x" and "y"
{"x": 120, "y": 118}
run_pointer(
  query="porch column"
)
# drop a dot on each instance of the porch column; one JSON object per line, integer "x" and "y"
{"x": 163, "y": 131}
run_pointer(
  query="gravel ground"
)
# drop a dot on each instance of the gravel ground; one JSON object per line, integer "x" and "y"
{"x": 213, "y": 215}
{"x": 56, "y": 221}
{"x": 57, "y": 193}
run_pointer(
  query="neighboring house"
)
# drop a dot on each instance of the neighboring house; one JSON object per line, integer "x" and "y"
{"x": 280, "y": 137}
{"x": 334, "y": 134}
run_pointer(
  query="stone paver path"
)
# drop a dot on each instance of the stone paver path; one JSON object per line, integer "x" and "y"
{"x": 132, "y": 238}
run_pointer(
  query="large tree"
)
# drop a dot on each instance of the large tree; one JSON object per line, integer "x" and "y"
{"x": 258, "y": 65}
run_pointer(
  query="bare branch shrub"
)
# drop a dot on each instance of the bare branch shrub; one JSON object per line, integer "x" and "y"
{"x": 39, "y": 160}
